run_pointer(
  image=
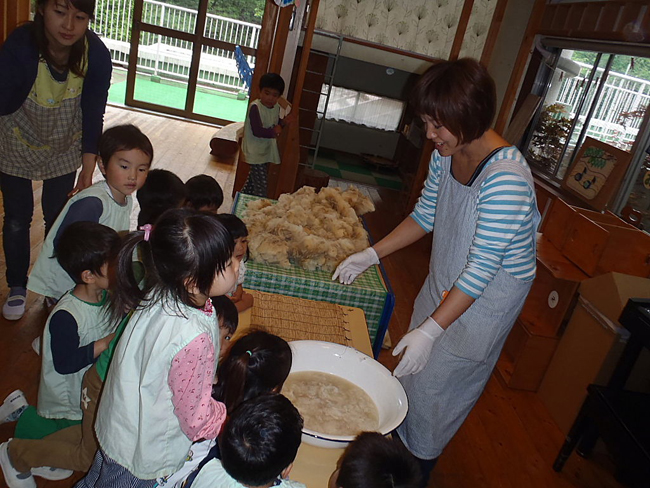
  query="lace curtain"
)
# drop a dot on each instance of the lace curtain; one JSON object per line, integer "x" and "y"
{"x": 362, "y": 108}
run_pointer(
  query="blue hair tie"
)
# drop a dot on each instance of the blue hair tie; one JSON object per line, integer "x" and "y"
{"x": 249, "y": 353}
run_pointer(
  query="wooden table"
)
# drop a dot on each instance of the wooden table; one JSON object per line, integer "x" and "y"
{"x": 314, "y": 465}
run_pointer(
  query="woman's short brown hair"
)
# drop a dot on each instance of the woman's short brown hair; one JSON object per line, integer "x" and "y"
{"x": 460, "y": 95}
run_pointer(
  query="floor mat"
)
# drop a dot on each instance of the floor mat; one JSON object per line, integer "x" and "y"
{"x": 352, "y": 167}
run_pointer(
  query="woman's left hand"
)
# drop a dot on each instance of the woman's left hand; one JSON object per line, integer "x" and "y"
{"x": 85, "y": 178}
{"x": 418, "y": 344}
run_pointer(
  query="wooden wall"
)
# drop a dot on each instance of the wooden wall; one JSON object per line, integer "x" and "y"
{"x": 12, "y": 13}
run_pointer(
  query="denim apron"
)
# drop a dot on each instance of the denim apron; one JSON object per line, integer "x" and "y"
{"x": 444, "y": 392}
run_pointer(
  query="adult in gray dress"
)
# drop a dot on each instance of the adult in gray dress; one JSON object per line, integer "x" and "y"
{"x": 480, "y": 195}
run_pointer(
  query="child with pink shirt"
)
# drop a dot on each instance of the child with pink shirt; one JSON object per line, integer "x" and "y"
{"x": 157, "y": 396}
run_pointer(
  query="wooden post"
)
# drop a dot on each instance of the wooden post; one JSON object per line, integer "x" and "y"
{"x": 462, "y": 28}
{"x": 495, "y": 28}
{"x": 520, "y": 66}
{"x": 12, "y": 14}
{"x": 290, "y": 153}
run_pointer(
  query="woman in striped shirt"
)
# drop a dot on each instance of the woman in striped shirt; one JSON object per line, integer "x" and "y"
{"x": 479, "y": 201}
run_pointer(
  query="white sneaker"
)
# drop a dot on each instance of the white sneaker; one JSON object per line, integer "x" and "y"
{"x": 14, "y": 478}
{"x": 36, "y": 345}
{"x": 13, "y": 406}
{"x": 53, "y": 474}
{"x": 14, "y": 307}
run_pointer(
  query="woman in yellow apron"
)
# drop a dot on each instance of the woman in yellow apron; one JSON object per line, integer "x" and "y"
{"x": 53, "y": 90}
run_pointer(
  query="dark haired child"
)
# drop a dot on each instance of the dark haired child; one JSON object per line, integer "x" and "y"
{"x": 375, "y": 461}
{"x": 162, "y": 190}
{"x": 255, "y": 457}
{"x": 125, "y": 155}
{"x": 160, "y": 380}
{"x": 228, "y": 319}
{"x": 204, "y": 193}
{"x": 261, "y": 129}
{"x": 76, "y": 333}
{"x": 53, "y": 93}
{"x": 239, "y": 233}
{"x": 258, "y": 363}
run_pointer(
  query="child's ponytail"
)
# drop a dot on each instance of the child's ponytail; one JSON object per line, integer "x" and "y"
{"x": 126, "y": 292}
{"x": 184, "y": 248}
{"x": 231, "y": 392}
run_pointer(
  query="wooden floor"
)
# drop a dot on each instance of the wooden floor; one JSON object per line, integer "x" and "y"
{"x": 508, "y": 441}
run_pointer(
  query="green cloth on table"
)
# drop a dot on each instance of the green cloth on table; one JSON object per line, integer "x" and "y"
{"x": 367, "y": 292}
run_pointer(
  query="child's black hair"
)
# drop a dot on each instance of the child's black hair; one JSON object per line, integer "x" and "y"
{"x": 234, "y": 224}
{"x": 273, "y": 81}
{"x": 374, "y": 461}
{"x": 261, "y": 439}
{"x": 227, "y": 313}
{"x": 161, "y": 191}
{"x": 123, "y": 138}
{"x": 86, "y": 246}
{"x": 204, "y": 192}
{"x": 257, "y": 363}
{"x": 185, "y": 248}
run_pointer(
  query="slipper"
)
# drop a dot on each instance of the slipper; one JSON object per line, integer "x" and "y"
{"x": 14, "y": 307}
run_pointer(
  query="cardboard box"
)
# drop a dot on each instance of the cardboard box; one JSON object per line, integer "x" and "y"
{"x": 590, "y": 345}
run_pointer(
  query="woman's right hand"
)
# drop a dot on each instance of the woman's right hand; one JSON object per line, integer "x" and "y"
{"x": 354, "y": 265}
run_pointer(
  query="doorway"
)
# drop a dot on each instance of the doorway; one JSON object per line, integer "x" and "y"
{"x": 178, "y": 56}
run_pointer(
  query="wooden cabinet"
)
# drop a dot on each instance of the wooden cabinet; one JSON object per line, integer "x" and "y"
{"x": 576, "y": 244}
{"x": 534, "y": 337}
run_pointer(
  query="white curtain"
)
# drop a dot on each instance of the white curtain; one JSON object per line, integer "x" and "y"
{"x": 362, "y": 108}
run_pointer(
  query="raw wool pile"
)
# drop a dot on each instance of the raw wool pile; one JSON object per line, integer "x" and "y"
{"x": 309, "y": 229}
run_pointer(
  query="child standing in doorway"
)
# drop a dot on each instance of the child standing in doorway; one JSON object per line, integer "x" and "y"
{"x": 262, "y": 127}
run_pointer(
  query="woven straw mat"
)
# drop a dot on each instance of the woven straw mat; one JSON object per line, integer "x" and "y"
{"x": 299, "y": 319}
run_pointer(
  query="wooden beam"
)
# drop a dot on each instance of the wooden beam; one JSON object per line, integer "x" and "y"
{"x": 12, "y": 14}
{"x": 193, "y": 75}
{"x": 264, "y": 46}
{"x": 280, "y": 43}
{"x": 291, "y": 150}
{"x": 519, "y": 68}
{"x": 462, "y": 28}
{"x": 493, "y": 33}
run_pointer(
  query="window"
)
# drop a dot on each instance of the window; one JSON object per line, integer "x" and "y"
{"x": 361, "y": 108}
{"x": 596, "y": 94}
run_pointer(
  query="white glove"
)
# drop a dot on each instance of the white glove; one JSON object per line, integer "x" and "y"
{"x": 354, "y": 265}
{"x": 418, "y": 344}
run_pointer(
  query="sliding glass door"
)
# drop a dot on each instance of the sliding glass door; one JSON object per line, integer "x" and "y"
{"x": 179, "y": 55}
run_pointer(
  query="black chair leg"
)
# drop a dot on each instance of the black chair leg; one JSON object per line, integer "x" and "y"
{"x": 588, "y": 440}
{"x": 581, "y": 422}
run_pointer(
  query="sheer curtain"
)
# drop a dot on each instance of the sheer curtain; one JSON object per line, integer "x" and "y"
{"x": 362, "y": 108}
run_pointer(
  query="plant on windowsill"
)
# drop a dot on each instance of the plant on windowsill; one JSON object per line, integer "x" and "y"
{"x": 550, "y": 136}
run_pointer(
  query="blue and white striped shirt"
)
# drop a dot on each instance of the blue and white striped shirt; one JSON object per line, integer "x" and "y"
{"x": 504, "y": 235}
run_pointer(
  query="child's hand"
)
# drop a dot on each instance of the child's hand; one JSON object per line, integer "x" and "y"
{"x": 277, "y": 129}
{"x": 102, "y": 344}
{"x": 245, "y": 303}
